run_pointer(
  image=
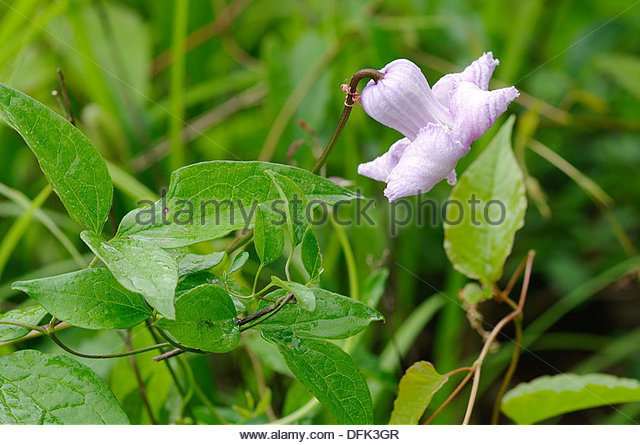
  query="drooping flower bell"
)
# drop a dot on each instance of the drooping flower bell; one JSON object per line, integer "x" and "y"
{"x": 439, "y": 124}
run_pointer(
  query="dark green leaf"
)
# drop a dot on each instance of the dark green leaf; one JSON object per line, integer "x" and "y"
{"x": 330, "y": 374}
{"x": 305, "y": 296}
{"x": 205, "y": 320}
{"x": 140, "y": 266}
{"x": 200, "y": 278}
{"x": 226, "y": 194}
{"x": 31, "y": 315}
{"x": 41, "y": 389}
{"x": 88, "y": 298}
{"x": 335, "y": 317}
{"x": 295, "y": 206}
{"x": 238, "y": 261}
{"x": 268, "y": 236}
{"x": 73, "y": 167}
{"x": 417, "y": 387}
{"x": 479, "y": 231}
{"x": 549, "y": 396}
{"x": 310, "y": 254}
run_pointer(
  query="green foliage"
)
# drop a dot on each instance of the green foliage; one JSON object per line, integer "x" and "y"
{"x": 473, "y": 293}
{"x": 417, "y": 387}
{"x": 41, "y": 389}
{"x": 208, "y": 200}
{"x": 325, "y": 369}
{"x": 189, "y": 263}
{"x": 310, "y": 254}
{"x": 334, "y": 317}
{"x": 238, "y": 261}
{"x": 268, "y": 88}
{"x": 205, "y": 320}
{"x": 268, "y": 237}
{"x": 140, "y": 266}
{"x": 89, "y": 298}
{"x": 476, "y": 245}
{"x": 549, "y": 396}
{"x": 29, "y": 315}
{"x": 76, "y": 171}
{"x": 304, "y": 296}
{"x": 295, "y": 205}
{"x": 329, "y": 373}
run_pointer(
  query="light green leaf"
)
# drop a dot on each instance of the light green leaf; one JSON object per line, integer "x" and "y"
{"x": 417, "y": 387}
{"x": 304, "y": 295}
{"x": 329, "y": 373}
{"x": 41, "y": 389}
{"x": 189, "y": 263}
{"x": 31, "y": 315}
{"x": 335, "y": 316}
{"x": 473, "y": 293}
{"x": 491, "y": 196}
{"x": 88, "y": 298}
{"x": 73, "y": 167}
{"x": 238, "y": 261}
{"x": 140, "y": 266}
{"x": 310, "y": 254}
{"x": 549, "y": 396}
{"x": 205, "y": 319}
{"x": 221, "y": 196}
{"x": 268, "y": 236}
{"x": 295, "y": 206}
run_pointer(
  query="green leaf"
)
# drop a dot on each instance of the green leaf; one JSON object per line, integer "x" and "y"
{"x": 374, "y": 286}
{"x": 73, "y": 167}
{"x": 491, "y": 196}
{"x": 31, "y": 315}
{"x": 305, "y": 296}
{"x": 473, "y": 293}
{"x": 200, "y": 278}
{"x": 88, "y": 298}
{"x": 140, "y": 266}
{"x": 310, "y": 254}
{"x": 549, "y": 396}
{"x": 268, "y": 238}
{"x": 205, "y": 319}
{"x": 189, "y": 263}
{"x": 335, "y": 316}
{"x": 329, "y": 373}
{"x": 417, "y": 387}
{"x": 238, "y": 261}
{"x": 295, "y": 206}
{"x": 221, "y": 196}
{"x": 41, "y": 389}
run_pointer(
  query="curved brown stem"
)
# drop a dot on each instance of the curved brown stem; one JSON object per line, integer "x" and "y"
{"x": 348, "y": 105}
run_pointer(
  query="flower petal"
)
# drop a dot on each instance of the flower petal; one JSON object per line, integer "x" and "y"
{"x": 380, "y": 167}
{"x": 403, "y": 100}
{"x": 425, "y": 162}
{"x": 475, "y": 110}
{"x": 479, "y": 73}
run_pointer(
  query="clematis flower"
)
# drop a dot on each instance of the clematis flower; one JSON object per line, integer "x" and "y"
{"x": 438, "y": 123}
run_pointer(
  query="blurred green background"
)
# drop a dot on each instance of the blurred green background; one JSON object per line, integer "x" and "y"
{"x": 249, "y": 71}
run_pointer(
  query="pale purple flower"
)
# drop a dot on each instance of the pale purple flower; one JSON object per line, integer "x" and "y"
{"x": 439, "y": 124}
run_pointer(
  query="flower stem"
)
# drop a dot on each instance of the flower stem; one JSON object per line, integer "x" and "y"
{"x": 348, "y": 105}
{"x": 495, "y": 416}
